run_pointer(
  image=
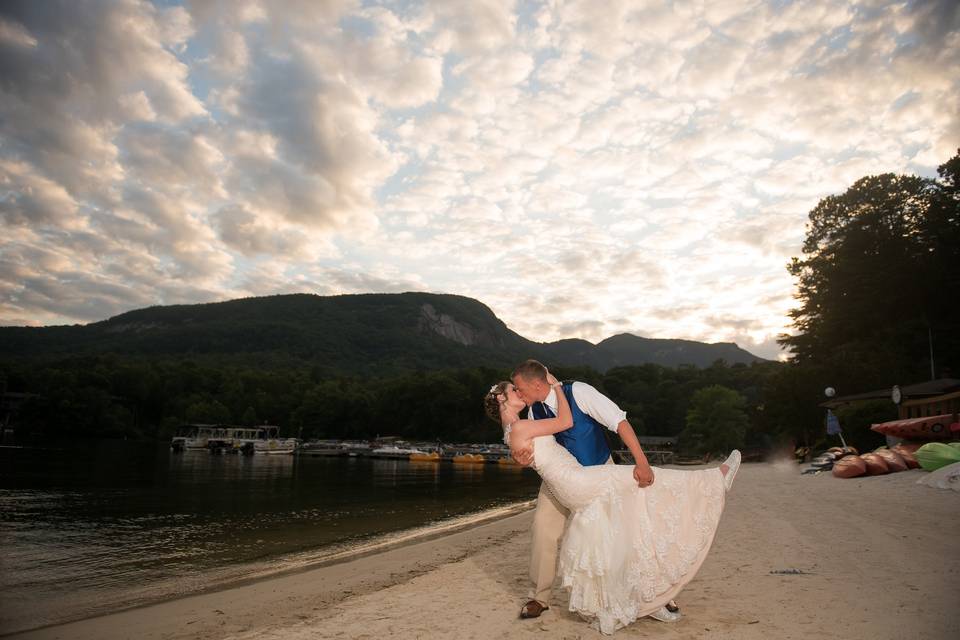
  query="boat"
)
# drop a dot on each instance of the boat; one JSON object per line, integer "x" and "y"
{"x": 356, "y": 448}
{"x": 323, "y": 448}
{"x": 322, "y": 451}
{"x": 432, "y": 456}
{"x": 849, "y": 467}
{"x": 393, "y": 452}
{"x": 264, "y": 439}
{"x": 230, "y": 439}
{"x": 939, "y": 427}
{"x": 192, "y": 437}
{"x": 469, "y": 458}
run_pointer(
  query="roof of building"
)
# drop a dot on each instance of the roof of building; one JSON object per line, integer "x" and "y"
{"x": 926, "y": 389}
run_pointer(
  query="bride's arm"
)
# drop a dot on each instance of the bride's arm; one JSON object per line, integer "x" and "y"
{"x": 523, "y": 431}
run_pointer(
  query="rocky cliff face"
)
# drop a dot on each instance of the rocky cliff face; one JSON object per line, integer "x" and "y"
{"x": 447, "y": 326}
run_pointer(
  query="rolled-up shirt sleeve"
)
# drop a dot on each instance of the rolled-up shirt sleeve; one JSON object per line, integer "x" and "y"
{"x": 598, "y": 406}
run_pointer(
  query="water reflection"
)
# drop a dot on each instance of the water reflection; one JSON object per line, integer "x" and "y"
{"x": 200, "y": 466}
{"x": 84, "y": 530}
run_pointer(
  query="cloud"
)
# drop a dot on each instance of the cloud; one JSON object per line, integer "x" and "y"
{"x": 33, "y": 199}
{"x": 244, "y": 232}
{"x": 471, "y": 27}
{"x": 583, "y": 168}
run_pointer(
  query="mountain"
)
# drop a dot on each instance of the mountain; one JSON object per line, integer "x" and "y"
{"x": 350, "y": 333}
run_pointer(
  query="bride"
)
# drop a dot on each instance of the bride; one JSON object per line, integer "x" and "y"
{"x": 627, "y": 551}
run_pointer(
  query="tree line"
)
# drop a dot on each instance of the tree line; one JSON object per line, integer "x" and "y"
{"x": 878, "y": 290}
{"x": 129, "y": 397}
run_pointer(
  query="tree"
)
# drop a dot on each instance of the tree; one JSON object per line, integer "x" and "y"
{"x": 249, "y": 418}
{"x": 878, "y": 278}
{"x": 716, "y": 421}
{"x": 208, "y": 412}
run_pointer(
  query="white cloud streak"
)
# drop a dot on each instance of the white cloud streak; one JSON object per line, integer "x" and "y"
{"x": 583, "y": 168}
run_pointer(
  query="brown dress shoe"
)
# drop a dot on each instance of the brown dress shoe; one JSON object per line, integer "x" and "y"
{"x": 532, "y": 609}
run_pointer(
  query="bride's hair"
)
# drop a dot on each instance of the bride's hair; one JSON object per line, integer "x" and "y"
{"x": 492, "y": 402}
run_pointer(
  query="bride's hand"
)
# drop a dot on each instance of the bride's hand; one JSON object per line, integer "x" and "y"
{"x": 521, "y": 446}
{"x": 552, "y": 379}
{"x": 523, "y": 456}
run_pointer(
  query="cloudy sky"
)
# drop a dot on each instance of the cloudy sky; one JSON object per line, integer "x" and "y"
{"x": 583, "y": 168}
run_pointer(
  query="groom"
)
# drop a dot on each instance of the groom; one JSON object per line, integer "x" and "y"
{"x": 592, "y": 412}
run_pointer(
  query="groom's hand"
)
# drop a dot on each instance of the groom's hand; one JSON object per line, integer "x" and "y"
{"x": 643, "y": 474}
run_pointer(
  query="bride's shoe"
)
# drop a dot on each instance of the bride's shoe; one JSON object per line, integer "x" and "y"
{"x": 665, "y": 615}
{"x": 733, "y": 465}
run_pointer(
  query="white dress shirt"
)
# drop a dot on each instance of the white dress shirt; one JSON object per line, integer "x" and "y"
{"x": 593, "y": 403}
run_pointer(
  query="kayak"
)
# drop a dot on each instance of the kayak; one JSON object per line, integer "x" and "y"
{"x": 908, "y": 454}
{"x": 894, "y": 460}
{"x": 876, "y": 466}
{"x": 928, "y": 428}
{"x": 934, "y": 455}
{"x": 849, "y": 467}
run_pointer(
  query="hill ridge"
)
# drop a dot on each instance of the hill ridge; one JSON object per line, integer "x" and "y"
{"x": 349, "y": 332}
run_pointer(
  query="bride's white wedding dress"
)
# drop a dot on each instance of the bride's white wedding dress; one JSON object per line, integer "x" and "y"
{"x": 627, "y": 551}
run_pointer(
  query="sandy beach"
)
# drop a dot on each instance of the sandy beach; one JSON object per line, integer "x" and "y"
{"x": 795, "y": 557}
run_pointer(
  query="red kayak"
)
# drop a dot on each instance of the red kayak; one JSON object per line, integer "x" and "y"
{"x": 876, "y": 466}
{"x": 849, "y": 467}
{"x": 894, "y": 460}
{"x": 907, "y": 451}
{"x": 929, "y": 428}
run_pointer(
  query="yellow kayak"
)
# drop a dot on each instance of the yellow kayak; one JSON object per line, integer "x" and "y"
{"x": 469, "y": 458}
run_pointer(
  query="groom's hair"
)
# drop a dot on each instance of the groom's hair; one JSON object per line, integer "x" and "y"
{"x": 530, "y": 370}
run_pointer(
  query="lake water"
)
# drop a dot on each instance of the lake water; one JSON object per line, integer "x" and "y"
{"x": 86, "y": 530}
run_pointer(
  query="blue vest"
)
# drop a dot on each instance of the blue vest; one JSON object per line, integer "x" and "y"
{"x": 585, "y": 438}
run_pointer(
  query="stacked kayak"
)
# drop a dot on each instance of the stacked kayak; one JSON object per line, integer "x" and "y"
{"x": 826, "y": 460}
{"x": 906, "y": 455}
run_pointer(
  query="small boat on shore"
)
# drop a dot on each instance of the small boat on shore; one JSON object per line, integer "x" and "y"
{"x": 394, "y": 452}
{"x": 230, "y": 439}
{"x": 193, "y": 437}
{"x": 266, "y": 439}
{"x": 432, "y": 456}
{"x": 333, "y": 448}
{"x": 469, "y": 458}
{"x": 321, "y": 451}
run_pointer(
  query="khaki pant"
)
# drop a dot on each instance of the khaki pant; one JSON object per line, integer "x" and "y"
{"x": 549, "y": 521}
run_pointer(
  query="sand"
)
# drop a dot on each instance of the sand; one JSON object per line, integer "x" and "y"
{"x": 795, "y": 557}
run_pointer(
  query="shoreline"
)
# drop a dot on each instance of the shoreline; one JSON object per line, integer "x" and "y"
{"x": 305, "y": 562}
{"x": 795, "y": 557}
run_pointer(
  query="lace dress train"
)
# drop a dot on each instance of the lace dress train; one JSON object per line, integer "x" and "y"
{"x": 628, "y": 551}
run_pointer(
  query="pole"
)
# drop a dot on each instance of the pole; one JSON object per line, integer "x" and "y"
{"x": 933, "y": 376}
